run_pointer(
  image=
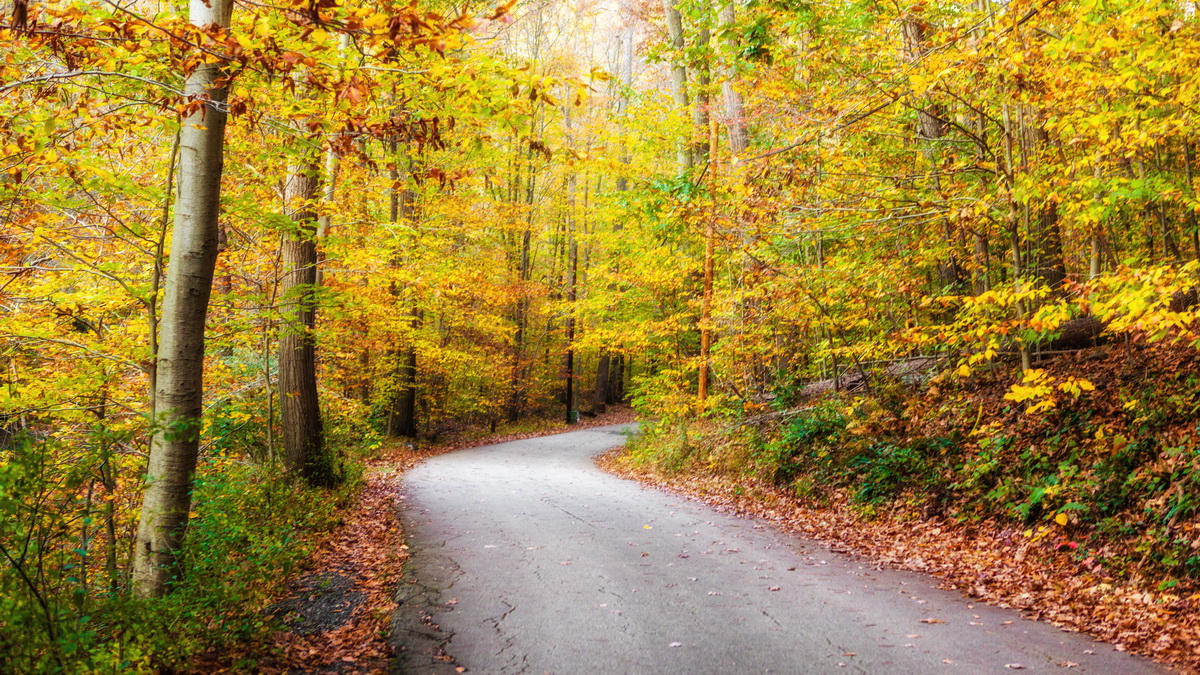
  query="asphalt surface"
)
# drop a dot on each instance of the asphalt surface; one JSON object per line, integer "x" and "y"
{"x": 526, "y": 558}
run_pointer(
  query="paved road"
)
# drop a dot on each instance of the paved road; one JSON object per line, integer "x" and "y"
{"x": 530, "y": 560}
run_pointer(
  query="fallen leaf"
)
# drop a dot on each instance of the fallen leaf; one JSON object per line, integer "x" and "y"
{"x": 1014, "y": 666}
{"x": 931, "y": 620}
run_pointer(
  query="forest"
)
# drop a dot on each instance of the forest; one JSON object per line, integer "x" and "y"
{"x": 908, "y": 259}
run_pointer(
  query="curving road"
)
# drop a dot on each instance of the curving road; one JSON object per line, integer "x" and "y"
{"x": 526, "y": 558}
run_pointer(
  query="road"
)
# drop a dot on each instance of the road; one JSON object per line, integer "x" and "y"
{"x": 526, "y": 558}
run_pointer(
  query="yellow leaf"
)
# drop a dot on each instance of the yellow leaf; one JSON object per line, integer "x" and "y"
{"x": 1061, "y": 519}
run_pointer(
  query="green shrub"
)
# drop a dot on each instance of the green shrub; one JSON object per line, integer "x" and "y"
{"x": 250, "y": 530}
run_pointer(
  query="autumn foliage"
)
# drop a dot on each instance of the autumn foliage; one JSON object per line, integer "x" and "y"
{"x": 517, "y": 212}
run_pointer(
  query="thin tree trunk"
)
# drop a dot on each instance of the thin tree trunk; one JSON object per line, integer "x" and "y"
{"x": 930, "y": 129}
{"x": 703, "y": 100}
{"x": 1193, "y": 225}
{"x": 179, "y": 383}
{"x": 709, "y": 249}
{"x": 402, "y": 417}
{"x": 516, "y": 401}
{"x": 572, "y": 269}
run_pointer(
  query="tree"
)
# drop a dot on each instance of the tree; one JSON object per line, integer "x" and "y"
{"x": 180, "y": 362}
{"x": 303, "y": 431}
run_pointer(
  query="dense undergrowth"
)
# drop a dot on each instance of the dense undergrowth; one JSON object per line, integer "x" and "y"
{"x": 66, "y": 528}
{"x": 250, "y": 530}
{"x": 1109, "y": 476}
{"x": 64, "y": 608}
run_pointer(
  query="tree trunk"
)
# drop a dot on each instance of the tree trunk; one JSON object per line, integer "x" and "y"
{"x": 572, "y": 268}
{"x": 703, "y": 100}
{"x": 735, "y": 116}
{"x": 516, "y": 401}
{"x": 179, "y": 381}
{"x": 709, "y": 249}
{"x": 303, "y": 434}
{"x": 402, "y": 418}
{"x": 1045, "y": 236}
{"x": 600, "y": 394}
{"x": 679, "y": 90}
{"x": 931, "y": 128}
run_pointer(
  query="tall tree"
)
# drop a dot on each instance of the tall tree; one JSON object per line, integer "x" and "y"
{"x": 300, "y": 411}
{"x": 735, "y": 116}
{"x": 679, "y": 88}
{"x": 179, "y": 381}
{"x": 402, "y": 208}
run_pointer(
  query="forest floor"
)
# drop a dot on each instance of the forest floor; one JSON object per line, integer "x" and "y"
{"x": 337, "y": 615}
{"x": 986, "y": 561}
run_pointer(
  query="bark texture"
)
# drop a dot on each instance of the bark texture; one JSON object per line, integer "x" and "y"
{"x": 303, "y": 433}
{"x": 679, "y": 91}
{"x": 735, "y": 116}
{"x": 179, "y": 382}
